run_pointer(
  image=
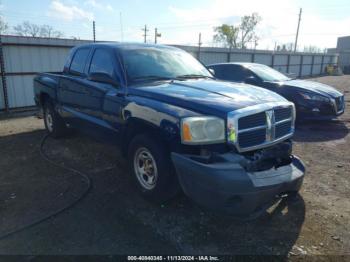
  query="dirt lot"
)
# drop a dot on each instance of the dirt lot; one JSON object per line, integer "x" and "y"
{"x": 114, "y": 219}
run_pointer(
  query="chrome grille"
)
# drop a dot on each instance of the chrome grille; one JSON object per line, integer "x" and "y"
{"x": 251, "y": 138}
{"x": 282, "y": 113}
{"x": 283, "y": 129}
{"x": 258, "y": 119}
{"x": 261, "y": 125}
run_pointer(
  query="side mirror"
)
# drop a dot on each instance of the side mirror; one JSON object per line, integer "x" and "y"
{"x": 252, "y": 80}
{"x": 102, "y": 78}
{"x": 212, "y": 71}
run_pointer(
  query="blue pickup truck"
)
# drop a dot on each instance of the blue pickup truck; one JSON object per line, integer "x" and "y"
{"x": 225, "y": 145}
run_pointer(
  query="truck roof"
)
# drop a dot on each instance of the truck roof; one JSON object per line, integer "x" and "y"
{"x": 235, "y": 63}
{"x": 127, "y": 45}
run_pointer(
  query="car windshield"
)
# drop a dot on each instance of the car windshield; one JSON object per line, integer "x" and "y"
{"x": 161, "y": 64}
{"x": 266, "y": 73}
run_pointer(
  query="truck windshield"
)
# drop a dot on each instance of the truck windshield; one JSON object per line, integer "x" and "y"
{"x": 267, "y": 73}
{"x": 157, "y": 64}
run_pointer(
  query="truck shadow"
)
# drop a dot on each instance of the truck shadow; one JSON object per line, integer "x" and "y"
{"x": 320, "y": 131}
{"x": 113, "y": 212}
{"x": 273, "y": 233}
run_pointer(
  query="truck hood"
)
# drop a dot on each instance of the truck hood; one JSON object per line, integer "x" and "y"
{"x": 206, "y": 95}
{"x": 304, "y": 85}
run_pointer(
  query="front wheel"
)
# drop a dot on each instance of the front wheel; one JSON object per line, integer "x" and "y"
{"x": 151, "y": 169}
{"x": 54, "y": 124}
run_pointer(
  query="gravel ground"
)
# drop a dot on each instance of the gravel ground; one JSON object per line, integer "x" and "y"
{"x": 114, "y": 219}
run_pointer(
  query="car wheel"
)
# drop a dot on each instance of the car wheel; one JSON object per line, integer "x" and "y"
{"x": 151, "y": 169}
{"x": 54, "y": 124}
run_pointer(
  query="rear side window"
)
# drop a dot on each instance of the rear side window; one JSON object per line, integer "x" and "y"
{"x": 102, "y": 62}
{"x": 79, "y": 60}
{"x": 232, "y": 73}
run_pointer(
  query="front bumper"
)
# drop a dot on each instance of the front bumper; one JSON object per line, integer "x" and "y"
{"x": 225, "y": 185}
{"x": 313, "y": 110}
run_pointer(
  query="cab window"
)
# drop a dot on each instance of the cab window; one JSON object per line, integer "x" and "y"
{"x": 79, "y": 60}
{"x": 102, "y": 62}
{"x": 234, "y": 73}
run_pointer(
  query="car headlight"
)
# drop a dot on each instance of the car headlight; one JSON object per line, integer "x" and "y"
{"x": 309, "y": 96}
{"x": 202, "y": 130}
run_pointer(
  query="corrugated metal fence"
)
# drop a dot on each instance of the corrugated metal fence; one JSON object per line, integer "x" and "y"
{"x": 23, "y": 57}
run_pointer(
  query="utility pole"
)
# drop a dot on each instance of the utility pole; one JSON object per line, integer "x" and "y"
{"x": 297, "y": 35}
{"x": 156, "y": 35}
{"x": 145, "y": 30}
{"x": 94, "y": 30}
{"x": 199, "y": 45}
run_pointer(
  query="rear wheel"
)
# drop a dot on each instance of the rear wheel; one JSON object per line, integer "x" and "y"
{"x": 151, "y": 169}
{"x": 54, "y": 124}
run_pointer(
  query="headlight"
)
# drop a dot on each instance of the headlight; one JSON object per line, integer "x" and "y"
{"x": 202, "y": 130}
{"x": 309, "y": 96}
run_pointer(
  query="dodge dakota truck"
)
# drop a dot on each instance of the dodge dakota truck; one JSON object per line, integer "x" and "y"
{"x": 225, "y": 145}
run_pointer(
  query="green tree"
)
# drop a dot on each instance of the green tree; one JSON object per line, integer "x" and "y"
{"x": 238, "y": 36}
{"x": 247, "y": 29}
{"x": 227, "y": 35}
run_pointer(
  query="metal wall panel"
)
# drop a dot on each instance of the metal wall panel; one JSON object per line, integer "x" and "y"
{"x": 265, "y": 59}
{"x": 2, "y": 101}
{"x": 316, "y": 69}
{"x": 211, "y": 58}
{"x": 294, "y": 69}
{"x": 281, "y": 68}
{"x": 307, "y": 60}
{"x": 26, "y": 55}
{"x": 34, "y": 59}
{"x": 20, "y": 91}
{"x": 281, "y": 60}
{"x": 295, "y": 59}
{"x": 317, "y": 59}
{"x": 240, "y": 57}
{"x": 306, "y": 70}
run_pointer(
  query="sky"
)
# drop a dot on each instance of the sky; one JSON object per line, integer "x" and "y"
{"x": 181, "y": 21}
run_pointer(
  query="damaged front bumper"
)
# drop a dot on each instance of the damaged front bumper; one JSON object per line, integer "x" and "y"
{"x": 224, "y": 185}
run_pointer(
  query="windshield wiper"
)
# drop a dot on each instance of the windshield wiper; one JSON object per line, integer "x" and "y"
{"x": 151, "y": 77}
{"x": 194, "y": 76}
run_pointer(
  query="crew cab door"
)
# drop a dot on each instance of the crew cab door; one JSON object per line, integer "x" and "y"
{"x": 72, "y": 92}
{"x": 104, "y": 100}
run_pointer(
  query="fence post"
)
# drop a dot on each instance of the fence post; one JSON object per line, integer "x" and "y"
{"x": 301, "y": 65}
{"x": 272, "y": 60}
{"x": 312, "y": 64}
{"x": 322, "y": 61}
{"x": 253, "y": 57}
{"x": 288, "y": 63}
{"x": 3, "y": 77}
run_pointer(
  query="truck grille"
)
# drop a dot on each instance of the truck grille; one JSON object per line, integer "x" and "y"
{"x": 258, "y": 119}
{"x": 261, "y": 126}
{"x": 339, "y": 103}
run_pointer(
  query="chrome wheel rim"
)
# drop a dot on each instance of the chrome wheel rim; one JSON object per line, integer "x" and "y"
{"x": 49, "y": 120}
{"x": 145, "y": 168}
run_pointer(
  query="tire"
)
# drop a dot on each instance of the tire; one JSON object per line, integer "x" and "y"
{"x": 151, "y": 169}
{"x": 54, "y": 124}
